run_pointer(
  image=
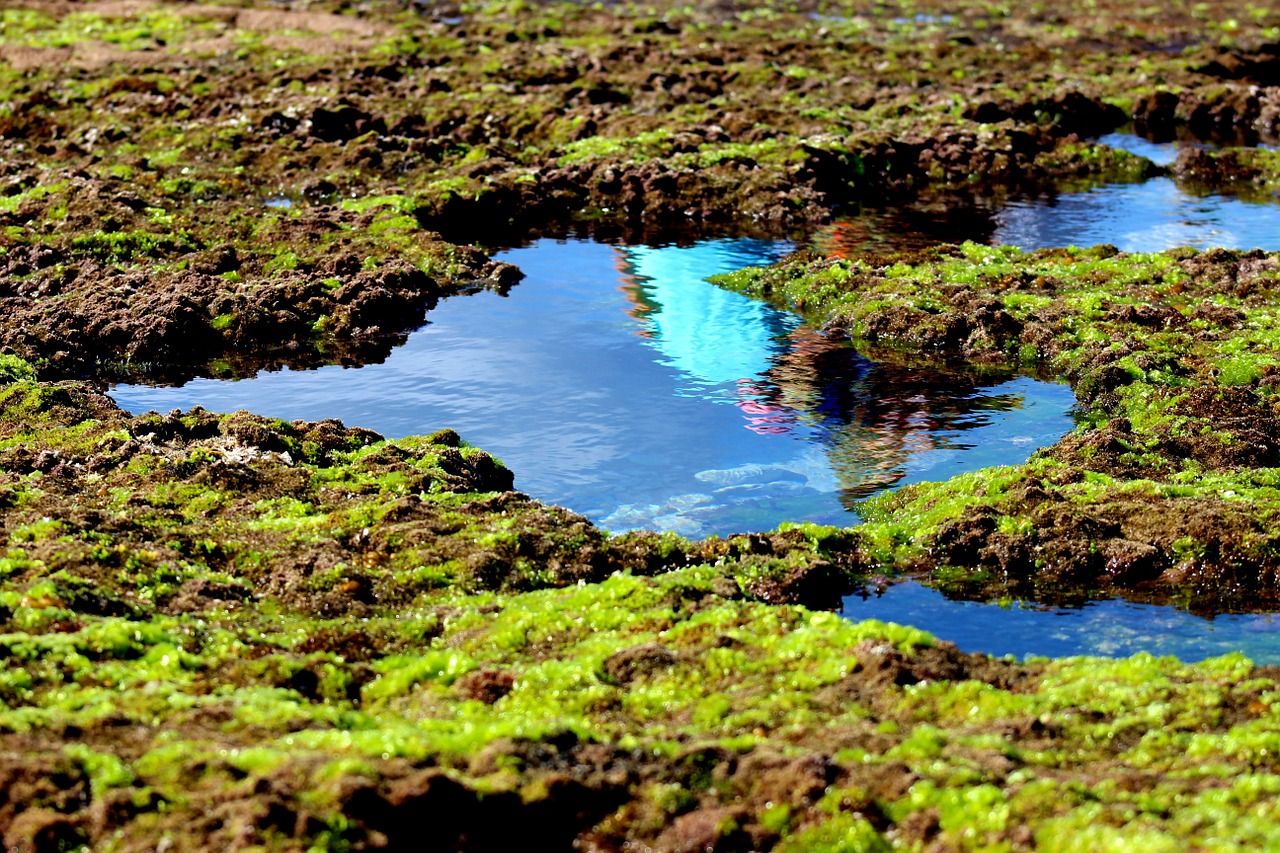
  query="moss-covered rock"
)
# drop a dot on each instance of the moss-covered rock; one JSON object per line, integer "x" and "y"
{"x": 232, "y": 631}
{"x": 1167, "y": 488}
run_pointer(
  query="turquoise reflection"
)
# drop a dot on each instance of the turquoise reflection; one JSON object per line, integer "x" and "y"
{"x": 864, "y": 426}
{"x": 713, "y": 336}
{"x": 617, "y": 382}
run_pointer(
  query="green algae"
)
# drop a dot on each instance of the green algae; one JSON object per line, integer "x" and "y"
{"x": 1169, "y": 354}
{"x": 773, "y": 116}
{"x": 270, "y": 633}
{"x": 720, "y": 676}
{"x": 251, "y": 680}
{"x": 191, "y": 676}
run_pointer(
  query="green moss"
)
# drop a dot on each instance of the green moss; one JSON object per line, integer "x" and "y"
{"x": 232, "y": 635}
{"x": 639, "y": 148}
{"x": 122, "y": 247}
{"x": 15, "y": 369}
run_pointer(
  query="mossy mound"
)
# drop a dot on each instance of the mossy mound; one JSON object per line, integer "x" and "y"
{"x": 667, "y": 711}
{"x": 231, "y": 630}
{"x": 203, "y": 190}
{"x": 1167, "y": 490}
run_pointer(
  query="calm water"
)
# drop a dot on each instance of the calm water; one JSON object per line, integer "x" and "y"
{"x": 1160, "y": 153}
{"x": 1142, "y": 217}
{"x": 1109, "y": 628}
{"x": 617, "y": 382}
{"x": 1165, "y": 153}
{"x": 1145, "y": 217}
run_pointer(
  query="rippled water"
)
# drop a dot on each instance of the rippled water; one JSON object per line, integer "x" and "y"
{"x": 1145, "y": 217}
{"x": 617, "y": 382}
{"x": 1109, "y": 628}
{"x": 1160, "y": 153}
{"x": 1165, "y": 153}
{"x": 1139, "y": 217}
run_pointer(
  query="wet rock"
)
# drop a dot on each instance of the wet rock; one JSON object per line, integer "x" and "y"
{"x": 709, "y": 830}
{"x": 279, "y": 123}
{"x": 463, "y": 819}
{"x": 638, "y": 661}
{"x": 798, "y": 782}
{"x": 504, "y": 274}
{"x": 486, "y": 685}
{"x": 43, "y": 831}
{"x": 41, "y": 797}
{"x": 476, "y": 471}
{"x": 318, "y": 191}
{"x": 960, "y": 542}
{"x": 1149, "y": 316}
{"x": 1127, "y": 561}
{"x": 1155, "y": 114}
{"x": 1260, "y": 67}
{"x": 201, "y": 593}
{"x": 343, "y": 124}
{"x": 819, "y": 584}
{"x": 1103, "y": 379}
{"x": 1074, "y": 112}
{"x": 224, "y": 259}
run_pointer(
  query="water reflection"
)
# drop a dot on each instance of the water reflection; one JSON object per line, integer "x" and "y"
{"x": 880, "y": 423}
{"x": 710, "y": 336}
{"x": 1162, "y": 153}
{"x": 919, "y": 225}
{"x": 617, "y": 382}
{"x": 1146, "y": 217}
{"x": 1143, "y": 217}
{"x": 1110, "y": 628}
{"x": 865, "y": 422}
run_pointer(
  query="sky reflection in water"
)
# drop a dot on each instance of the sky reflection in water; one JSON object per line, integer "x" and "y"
{"x": 1141, "y": 217}
{"x": 1146, "y": 217}
{"x": 617, "y": 382}
{"x": 1110, "y": 628}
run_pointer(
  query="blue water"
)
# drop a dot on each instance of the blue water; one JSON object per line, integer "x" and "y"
{"x": 617, "y": 382}
{"x": 1149, "y": 216}
{"x": 1160, "y": 153}
{"x": 1142, "y": 217}
{"x": 1110, "y": 628}
{"x": 1145, "y": 217}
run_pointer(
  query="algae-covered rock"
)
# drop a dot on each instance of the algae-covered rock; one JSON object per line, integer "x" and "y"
{"x": 230, "y": 631}
{"x": 1166, "y": 489}
{"x": 207, "y": 191}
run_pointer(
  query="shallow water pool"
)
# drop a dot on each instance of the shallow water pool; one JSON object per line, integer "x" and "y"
{"x": 1146, "y": 217}
{"x": 1149, "y": 216}
{"x": 617, "y": 382}
{"x": 1109, "y": 628}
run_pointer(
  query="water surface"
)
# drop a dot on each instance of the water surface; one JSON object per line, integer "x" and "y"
{"x": 1108, "y": 628}
{"x": 1160, "y": 153}
{"x": 617, "y": 382}
{"x": 1146, "y": 217}
{"x": 1149, "y": 216}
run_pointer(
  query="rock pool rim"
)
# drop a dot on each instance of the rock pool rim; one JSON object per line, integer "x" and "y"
{"x": 676, "y": 426}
